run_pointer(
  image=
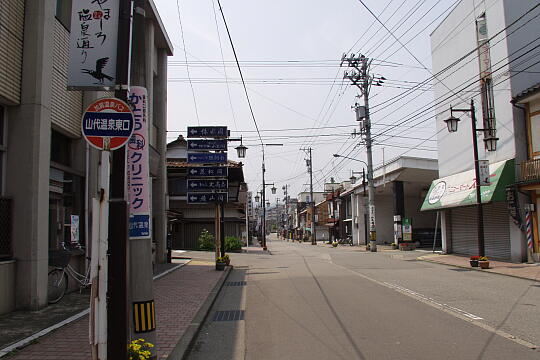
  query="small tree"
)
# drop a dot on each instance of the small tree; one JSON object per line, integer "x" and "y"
{"x": 206, "y": 241}
{"x": 232, "y": 243}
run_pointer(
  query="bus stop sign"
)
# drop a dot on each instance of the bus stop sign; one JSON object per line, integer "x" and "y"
{"x": 107, "y": 124}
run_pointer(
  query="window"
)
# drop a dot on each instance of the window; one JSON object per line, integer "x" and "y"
{"x": 60, "y": 148}
{"x": 63, "y": 12}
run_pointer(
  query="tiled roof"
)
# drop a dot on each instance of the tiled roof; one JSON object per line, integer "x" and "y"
{"x": 526, "y": 93}
{"x": 184, "y": 164}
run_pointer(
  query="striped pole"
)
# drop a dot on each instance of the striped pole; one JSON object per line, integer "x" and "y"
{"x": 529, "y": 230}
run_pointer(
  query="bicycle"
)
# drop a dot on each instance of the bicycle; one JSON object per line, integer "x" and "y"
{"x": 346, "y": 241}
{"x": 58, "y": 277}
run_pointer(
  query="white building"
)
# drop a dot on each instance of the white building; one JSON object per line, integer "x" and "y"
{"x": 485, "y": 54}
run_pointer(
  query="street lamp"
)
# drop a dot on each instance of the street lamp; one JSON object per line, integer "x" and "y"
{"x": 273, "y": 188}
{"x": 257, "y": 198}
{"x": 491, "y": 145}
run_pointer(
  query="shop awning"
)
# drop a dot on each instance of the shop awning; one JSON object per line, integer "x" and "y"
{"x": 459, "y": 189}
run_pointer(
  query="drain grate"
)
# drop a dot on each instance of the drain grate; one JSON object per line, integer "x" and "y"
{"x": 229, "y": 315}
{"x": 235, "y": 283}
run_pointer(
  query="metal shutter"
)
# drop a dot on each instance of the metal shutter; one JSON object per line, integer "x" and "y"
{"x": 11, "y": 45}
{"x": 66, "y": 105}
{"x": 496, "y": 231}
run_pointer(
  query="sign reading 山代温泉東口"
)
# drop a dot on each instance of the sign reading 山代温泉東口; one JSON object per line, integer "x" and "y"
{"x": 207, "y": 132}
{"x": 138, "y": 172}
{"x": 93, "y": 44}
{"x": 107, "y": 124}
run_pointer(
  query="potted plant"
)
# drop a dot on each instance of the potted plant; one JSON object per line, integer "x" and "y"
{"x": 393, "y": 245}
{"x": 227, "y": 259}
{"x": 473, "y": 260}
{"x": 483, "y": 262}
{"x": 220, "y": 264}
{"x": 139, "y": 350}
{"x": 334, "y": 243}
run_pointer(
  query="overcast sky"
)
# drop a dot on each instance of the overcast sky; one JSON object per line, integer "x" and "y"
{"x": 290, "y": 52}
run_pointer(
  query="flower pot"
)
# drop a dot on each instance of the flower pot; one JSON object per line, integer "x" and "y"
{"x": 484, "y": 264}
{"x": 474, "y": 263}
{"x": 334, "y": 244}
{"x": 220, "y": 266}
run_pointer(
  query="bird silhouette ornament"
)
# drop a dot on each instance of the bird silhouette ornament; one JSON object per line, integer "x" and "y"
{"x": 98, "y": 73}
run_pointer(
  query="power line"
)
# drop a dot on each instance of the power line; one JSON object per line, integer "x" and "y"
{"x": 187, "y": 67}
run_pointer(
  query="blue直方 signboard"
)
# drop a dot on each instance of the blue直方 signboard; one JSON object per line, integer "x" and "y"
{"x": 207, "y": 131}
{"x": 208, "y": 171}
{"x": 218, "y": 144}
{"x": 198, "y": 184}
{"x": 205, "y": 198}
{"x": 207, "y": 158}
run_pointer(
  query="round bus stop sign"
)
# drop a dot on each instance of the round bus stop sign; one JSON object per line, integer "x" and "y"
{"x": 107, "y": 124}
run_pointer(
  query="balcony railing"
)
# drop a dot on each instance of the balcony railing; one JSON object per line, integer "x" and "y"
{"x": 530, "y": 170}
{"x": 6, "y": 250}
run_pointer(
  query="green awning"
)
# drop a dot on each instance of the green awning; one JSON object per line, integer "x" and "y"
{"x": 459, "y": 189}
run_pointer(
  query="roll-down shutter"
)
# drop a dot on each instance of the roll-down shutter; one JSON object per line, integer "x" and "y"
{"x": 496, "y": 231}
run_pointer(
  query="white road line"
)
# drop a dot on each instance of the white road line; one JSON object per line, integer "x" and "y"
{"x": 431, "y": 300}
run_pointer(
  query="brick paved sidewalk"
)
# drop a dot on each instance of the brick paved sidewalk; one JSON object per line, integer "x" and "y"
{"x": 525, "y": 271}
{"x": 178, "y": 297}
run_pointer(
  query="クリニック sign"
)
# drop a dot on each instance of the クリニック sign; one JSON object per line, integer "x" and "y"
{"x": 93, "y": 44}
{"x": 138, "y": 167}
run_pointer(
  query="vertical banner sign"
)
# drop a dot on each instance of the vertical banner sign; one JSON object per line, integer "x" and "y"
{"x": 138, "y": 167}
{"x": 483, "y": 167}
{"x": 74, "y": 222}
{"x": 407, "y": 230}
{"x": 93, "y": 44}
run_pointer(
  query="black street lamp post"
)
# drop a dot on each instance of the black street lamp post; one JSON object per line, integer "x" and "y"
{"x": 491, "y": 145}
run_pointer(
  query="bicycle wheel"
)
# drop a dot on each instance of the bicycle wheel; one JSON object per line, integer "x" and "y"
{"x": 57, "y": 285}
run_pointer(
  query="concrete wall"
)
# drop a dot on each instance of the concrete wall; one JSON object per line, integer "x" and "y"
{"x": 7, "y": 286}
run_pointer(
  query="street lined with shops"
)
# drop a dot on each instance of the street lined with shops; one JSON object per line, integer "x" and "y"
{"x": 314, "y": 302}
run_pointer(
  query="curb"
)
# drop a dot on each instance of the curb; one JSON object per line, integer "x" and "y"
{"x": 26, "y": 341}
{"x": 474, "y": 269}
{"x": 184, "y": 346}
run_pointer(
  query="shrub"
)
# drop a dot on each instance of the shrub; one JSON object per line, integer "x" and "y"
{"x": 232, "y": 243}
{"x": 206, "y": 241}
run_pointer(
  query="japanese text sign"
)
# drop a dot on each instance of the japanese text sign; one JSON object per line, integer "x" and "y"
{"x": 207, "y": 145}
{"x": 93, "y": 44}
{"x": 138, "y": 167}
{"x": 207, "y": 131}
{"x": 193, "y": 185}
{"x": 205, "y": 198}
{"x": 107, "y": 124}
{"x": 208, "y": 171}
{"x": 207, "y": 158}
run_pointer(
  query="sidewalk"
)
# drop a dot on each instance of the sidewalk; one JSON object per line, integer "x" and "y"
{"x": 178, "y": 295}
{"x": 524, "y": 271}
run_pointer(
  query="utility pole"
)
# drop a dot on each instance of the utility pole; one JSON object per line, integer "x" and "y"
{"x": 361, "y": 78}
{"x": 286, "y": 222}
{"x": 312, "y": 202}
{"x": 263, "y": 198}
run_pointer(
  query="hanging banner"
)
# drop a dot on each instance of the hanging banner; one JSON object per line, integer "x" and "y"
{"x": 93, "y": 44}
{"x": 138, "y": 167}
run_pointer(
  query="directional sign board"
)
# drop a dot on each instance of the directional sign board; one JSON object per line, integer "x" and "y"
{"x": 205, "y": 198}
{"x": 220, "y": 144}
{"x": 208, "y": 171}
{"x": 107, "y": 124}
{"x": 207, "y": 132}
{"x": 195, "y": 185}
{"x": 207, "y": 158}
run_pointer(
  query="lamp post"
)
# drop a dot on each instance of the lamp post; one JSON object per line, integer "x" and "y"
{"x": 491, "y": 145}
{"x": 263, "y": 194}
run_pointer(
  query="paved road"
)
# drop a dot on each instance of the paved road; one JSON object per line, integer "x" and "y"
{"x": 315, "y": 302}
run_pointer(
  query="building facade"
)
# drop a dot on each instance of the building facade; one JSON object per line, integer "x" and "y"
{"x": 49, "y": 173}
{"x": 483, "y": 52}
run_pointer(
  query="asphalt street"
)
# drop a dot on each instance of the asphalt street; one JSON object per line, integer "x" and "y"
{"x": 317, "y": 302}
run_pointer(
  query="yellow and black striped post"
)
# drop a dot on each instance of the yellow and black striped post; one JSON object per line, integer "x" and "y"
{"x": 144, "y": 316}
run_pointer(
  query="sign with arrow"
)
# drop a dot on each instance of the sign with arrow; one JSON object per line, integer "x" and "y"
{"x": 207, "y": 158}
{"x": 207, "y": 132}
{"x": 219, "y": 144}
{"x": 205, "y": 198}
{"x": 207, "y": 184}
{"x": 208, "y": 171}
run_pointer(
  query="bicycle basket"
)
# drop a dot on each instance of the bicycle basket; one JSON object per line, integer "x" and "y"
{"x": 59, "y": 258}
